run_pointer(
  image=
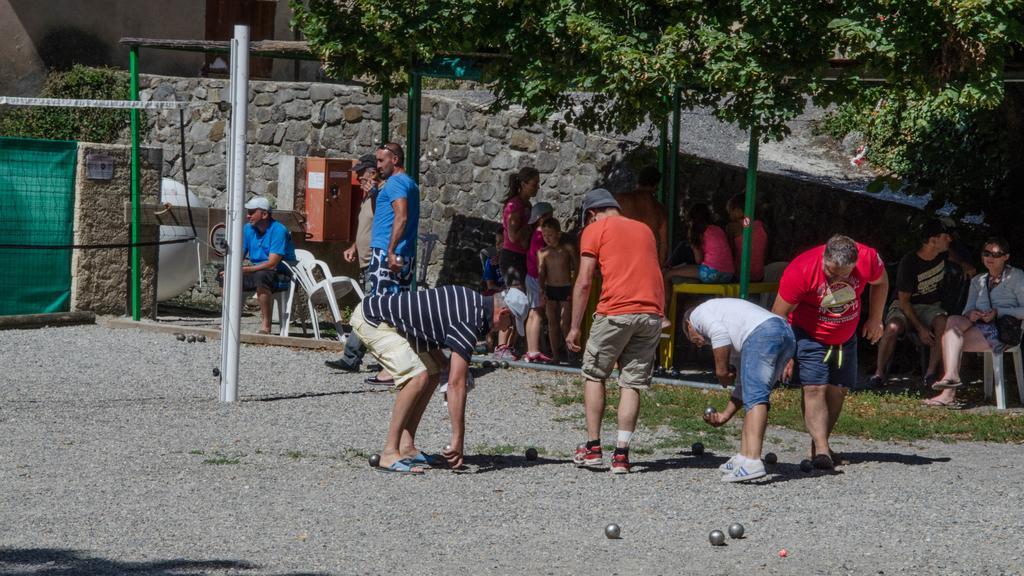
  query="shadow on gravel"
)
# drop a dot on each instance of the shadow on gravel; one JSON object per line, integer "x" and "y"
{"x": 481, "y": 463}
{"x": 302, "y": 395}
{"x": 891, "y": 458}
{"x": 690, "y": 461}
{"x": 780, "y": 473}
{"x": 63, "y": 562}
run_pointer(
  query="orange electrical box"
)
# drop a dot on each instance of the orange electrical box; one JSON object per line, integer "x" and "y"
{"x": 332, "y": 202}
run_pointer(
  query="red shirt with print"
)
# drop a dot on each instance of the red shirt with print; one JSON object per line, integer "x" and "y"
{"x": 828, "y": 310}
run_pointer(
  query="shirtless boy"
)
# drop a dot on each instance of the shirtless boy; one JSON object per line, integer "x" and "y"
{"x": 556, "y": 262}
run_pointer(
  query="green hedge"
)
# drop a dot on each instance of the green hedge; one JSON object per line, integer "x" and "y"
{"x": 85, "y": 124}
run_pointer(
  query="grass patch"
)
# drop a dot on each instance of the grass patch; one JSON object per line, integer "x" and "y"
{"x": 218, "y": 458}
{"x": 296, "y": 454}
{"x": 196, "y": 452}
{"x": 865, "y": 415}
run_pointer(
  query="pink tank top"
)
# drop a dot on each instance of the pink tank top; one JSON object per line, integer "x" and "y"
{"x": 514, "y": 205}
{"x": 758, "y": 245}
{"x": 717, "y": 253}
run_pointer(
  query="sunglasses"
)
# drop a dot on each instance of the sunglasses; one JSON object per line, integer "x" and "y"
{"x": 251, "y": 211}
{"x": 989, "y": 254}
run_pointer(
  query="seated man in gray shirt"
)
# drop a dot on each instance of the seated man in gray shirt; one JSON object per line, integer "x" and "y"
{"x": 764, "y": 343}
{"x": 405, "y": 332}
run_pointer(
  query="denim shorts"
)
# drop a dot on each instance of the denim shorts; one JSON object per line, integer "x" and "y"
{"x": 818, "y": 363}
{"x": 764, "y": 355}
{"x": 709, "y": 275}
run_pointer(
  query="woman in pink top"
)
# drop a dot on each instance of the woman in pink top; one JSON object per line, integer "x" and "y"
{"x": 710, "y": 248}
{"x": 522, "y": 186}
{"x": 758, "y": 238}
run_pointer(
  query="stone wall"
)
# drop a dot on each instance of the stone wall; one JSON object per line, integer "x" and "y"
{"x": 467, "y": 156}
{"x": 101, "y": 277}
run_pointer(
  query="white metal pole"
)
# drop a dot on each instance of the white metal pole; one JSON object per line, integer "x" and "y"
{"x": 235, "y": 210}
{"x": 225, "y": 299}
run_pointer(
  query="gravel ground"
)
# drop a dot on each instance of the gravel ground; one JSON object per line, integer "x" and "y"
{"x": 117, "y": 458}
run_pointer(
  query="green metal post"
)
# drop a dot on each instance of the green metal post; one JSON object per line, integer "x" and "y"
{"x": 748, "y": 212}
{"x": 133, "y": 65}
{"x": 412, "y": 129}
{"x": 412, "y": 141}
{"x": 385, "y": 117}
{"x": 662, "y": 156}
{"x": 673, "y": 164}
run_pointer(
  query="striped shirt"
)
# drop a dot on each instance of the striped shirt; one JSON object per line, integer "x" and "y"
{"x": 452, "y": 317}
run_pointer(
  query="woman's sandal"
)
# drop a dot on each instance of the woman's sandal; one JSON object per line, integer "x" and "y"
{"x": 947, "y": 384}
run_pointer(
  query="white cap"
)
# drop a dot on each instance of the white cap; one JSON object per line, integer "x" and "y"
{"x": 519, "y": 305}
{"x": 258, "y": 203}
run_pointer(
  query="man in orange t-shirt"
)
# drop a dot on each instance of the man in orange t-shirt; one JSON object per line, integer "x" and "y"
{"x": 627, "y": 324}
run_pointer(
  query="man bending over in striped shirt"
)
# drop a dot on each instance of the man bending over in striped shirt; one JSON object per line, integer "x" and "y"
{"x": 406, "y": 333}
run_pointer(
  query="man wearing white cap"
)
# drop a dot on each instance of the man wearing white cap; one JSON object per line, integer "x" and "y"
{"x": 627, "y": 322}
{"x": 406, "y": 332}
{"x": 268, "y": 245}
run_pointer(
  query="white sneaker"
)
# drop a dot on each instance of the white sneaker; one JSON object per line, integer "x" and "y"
{"x": 729, "y": 464}
{"x": 745, "y": 470}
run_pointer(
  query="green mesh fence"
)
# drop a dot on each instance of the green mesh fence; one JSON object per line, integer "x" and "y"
{"x": 37, "y": 197}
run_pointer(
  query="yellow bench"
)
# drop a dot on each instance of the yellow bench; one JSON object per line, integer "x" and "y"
{"x": 667, "y": 345}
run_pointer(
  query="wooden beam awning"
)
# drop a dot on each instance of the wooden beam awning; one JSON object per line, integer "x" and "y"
{"x": 287, "y": 49}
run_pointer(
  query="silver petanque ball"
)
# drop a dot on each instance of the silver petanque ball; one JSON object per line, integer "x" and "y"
{"x": 375, "y": 460}
{"x": 612, "y": 531}
{"x": 191, "y": 338}
{"x": 736, "y": 530}
{"x": 770, "y": 458}
{"x": 697, "y": 449}
{"x": 531, "y": 454}
{"x": 717, "y": 538}
{"x": 709, "y": 411}
{"x": 180, "y": 337}
{"x": 201, "y": 338}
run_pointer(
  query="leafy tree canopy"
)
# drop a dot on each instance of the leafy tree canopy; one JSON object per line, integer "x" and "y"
{"x": 610, "y": 64}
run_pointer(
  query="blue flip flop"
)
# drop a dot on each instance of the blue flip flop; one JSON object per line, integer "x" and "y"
{"x": 425, "y": 460}
{"x": 403, "y": 466}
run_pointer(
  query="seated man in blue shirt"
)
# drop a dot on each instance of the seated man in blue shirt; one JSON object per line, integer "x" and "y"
{"x": 268, "y": 245}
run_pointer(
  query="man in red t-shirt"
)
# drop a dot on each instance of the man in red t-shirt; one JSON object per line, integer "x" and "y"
{"x": 627, "y": 323}
{"x": 820, "y": 294}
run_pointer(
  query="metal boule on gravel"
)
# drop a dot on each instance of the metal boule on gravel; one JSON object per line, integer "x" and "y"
{"x": 806, "y": 465}
{"x": 374, "y": 460}
{"x": 216, "y": 371}
{"x": 613, "y": 531}
{"x": 191, "y": 338}
{"x": 697, "y": 449}
{"x": 770, "y": 458}
{"x": 717, "y": 538}
{"x": 201, "y": 338}
{"x": 180, "y": 337}
{"x": 709, "y": 411}
{"x": 531, "y": 454}
{"x": 504, "y": 364}
{"x": 736, "y": 530}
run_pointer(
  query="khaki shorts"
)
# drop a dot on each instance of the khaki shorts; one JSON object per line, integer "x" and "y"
{"x": 926, "y": 313}
{"x": 629, "y": 339}
{"x": 392, "y": 350}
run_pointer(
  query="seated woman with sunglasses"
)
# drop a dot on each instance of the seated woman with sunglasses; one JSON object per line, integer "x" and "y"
{"x": 1000, "y": 292}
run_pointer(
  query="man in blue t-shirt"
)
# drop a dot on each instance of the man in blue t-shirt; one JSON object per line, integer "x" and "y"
{"x": 268, "y": 245}
{"x": 395, "y": 225}
{"x": 396, "y": 220}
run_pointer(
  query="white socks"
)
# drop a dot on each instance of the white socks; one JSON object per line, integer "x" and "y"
{"x": 624, "y": 438}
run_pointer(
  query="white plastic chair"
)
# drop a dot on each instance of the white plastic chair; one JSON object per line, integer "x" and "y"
{"x": 994, "y": 375}
{"x": 325, "y": 291}
{"x": 281, "y": 308}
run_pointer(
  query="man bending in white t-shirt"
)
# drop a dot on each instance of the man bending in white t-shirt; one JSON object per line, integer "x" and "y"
{"x": 764, "y": 343}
